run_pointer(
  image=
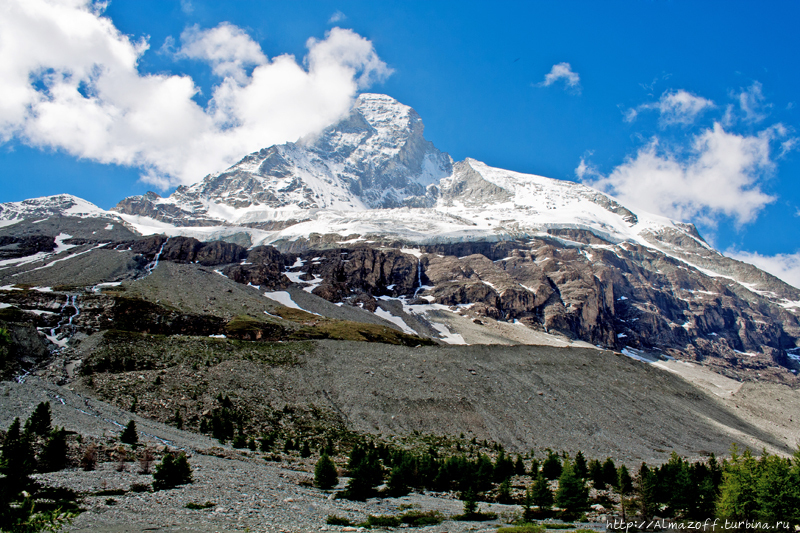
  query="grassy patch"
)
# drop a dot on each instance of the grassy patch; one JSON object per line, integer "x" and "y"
{"x": 346, "y": 330}
{"x": 380, "y": 521}
{"x": 199, "y": 506}
{"x": 422, "y": 518}
{"x": 127, "y": 351}
{"x": 335, "y": 520}
{"x": 524, "y": 528}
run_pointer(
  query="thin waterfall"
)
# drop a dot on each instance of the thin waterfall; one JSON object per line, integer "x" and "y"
{"x": 419, "y": 277}
{"x": 152, "y": 266}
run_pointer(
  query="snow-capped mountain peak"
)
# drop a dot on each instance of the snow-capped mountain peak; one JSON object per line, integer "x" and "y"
{"x": 48, "y": 206}
{"x": 376, "y": 157}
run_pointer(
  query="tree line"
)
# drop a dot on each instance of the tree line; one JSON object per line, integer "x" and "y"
{"x": 742, "y": 487}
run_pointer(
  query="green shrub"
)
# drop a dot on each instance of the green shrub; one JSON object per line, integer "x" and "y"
{"x": 140, "y": 487}
{"x": 172, "y": 471}
{"x": 334, "y": 520}
{"x": 240, "y": 441}
{"x": 199, "y": 506}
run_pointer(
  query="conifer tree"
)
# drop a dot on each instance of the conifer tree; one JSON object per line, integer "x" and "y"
{"x": 54, "y": 454}
{"x": 366, "y": 475}
{"x": 470, "y": 502}
{"x": 325, "y": 476}
{"x": 527, "y": 506}
{"x": 596, "y": 474}
{"x": 572, "y": 494}
{"x": 682, "y": 494}
{"x": 519, "y": 466}
{"x": 610, "y": 472}
{"x": 482, "y": 479}
{"x": 737, "y": 498}
{"x": 401, "y": 477}
{"x": 16, "y": 458}
{"x": 624, "y": 481}
{"x": 504, "y": 492}
{"x": 777, "y": 494}
{"x": 541, "y": 494}
{"x": 305, "y": 451}
{"x": 581, "y": 469}
{"x": 129, "y": 434}
{"x": 535, "y": 467}
{"x": 503, "y": 467}
{"x": 39, "y": 421}
{"x": 645, "y": 492}
{"x": 551, "y": 467}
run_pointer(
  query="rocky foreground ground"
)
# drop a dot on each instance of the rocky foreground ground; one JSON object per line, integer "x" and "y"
{"x": 241, "y": 490}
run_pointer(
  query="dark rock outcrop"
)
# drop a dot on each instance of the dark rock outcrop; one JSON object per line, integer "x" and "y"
{"x": 13, "y": 247}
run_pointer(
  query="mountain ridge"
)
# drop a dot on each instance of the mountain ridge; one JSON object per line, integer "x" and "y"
{"x": 368, "y": 213}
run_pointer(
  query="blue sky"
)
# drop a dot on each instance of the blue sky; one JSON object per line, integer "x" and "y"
{"x": 685, "y": 108}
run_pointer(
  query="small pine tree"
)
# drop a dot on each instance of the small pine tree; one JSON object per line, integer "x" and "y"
{"x": 470, "y": 502}
{"x": 171, "y": 472}
{"x": 519, "y": 466}
{"x": 305, "y": 451}
{"x": 365, "y": 477}
{"x": 645, "y": 492}
{"x": 54, "y": 454}
{"x": 129, "y": 434}
{"x": 610, "y": 472}
{"x": 551, "y": 468}
{"x": 624, "y": 481}
{"x": 581, "y": 469}
{"x": 541, "y": 494}
{"x": 504, "y": 492}
{"x": 527, "y": 506}
{"x": 534, "y": 467}
{"x": 39, "y": 421}
{"x": 572, "y": 494}
{"x": 399, "y": 478}
{"x": 325, "y": 476}
{"x": 503, "y": 467}
{"x": 178, "y": 419}
{"x": 16, "y": 459}
{"x": 596, "y": 474}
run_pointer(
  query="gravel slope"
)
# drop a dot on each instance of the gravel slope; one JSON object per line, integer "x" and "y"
{"x": 248, "y": 493}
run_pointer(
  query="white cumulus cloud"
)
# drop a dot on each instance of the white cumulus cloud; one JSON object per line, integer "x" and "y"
{"x": 720, "y": 175}
{"x": 227, "y": 48}
{"x": 562, "y": 71}
{"x": 69, "y": 80}
{"x": 674, "y": 107}
{"x": 783, "y": 266}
